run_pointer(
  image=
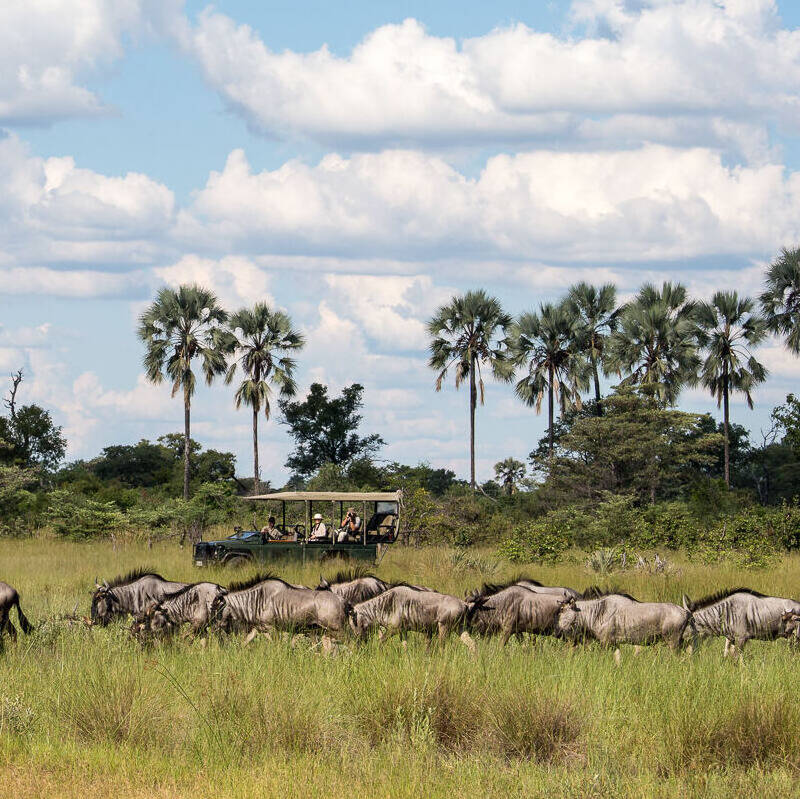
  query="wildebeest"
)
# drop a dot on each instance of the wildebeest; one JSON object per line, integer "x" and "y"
{"x": 513, "y": 610}
{"x": 9, "y": 598}
{"x": 354, "y": 586}
{"x": 129, "y": 595}
{"x": 741, "y": 614}
{"x": 270, "y": 603}
{"x": 526, "y": 582}
{"x": 189, "y": 605}
{"x": 620, "y": 619}
{"x": 403, "y": 608}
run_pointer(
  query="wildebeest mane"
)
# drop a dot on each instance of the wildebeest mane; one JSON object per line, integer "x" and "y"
{"x": 348, "y": 575}
{"x": 490, "y": 589}
{"x": 596, "y": 592}
{"x": 241, "y": 585}
{"x": 404, "y": 584}
{"x": 719, "y": 596}
{"x": 521, "y": 577}
{"x": 132, "y": 576}
{"x": 179, "y": 592}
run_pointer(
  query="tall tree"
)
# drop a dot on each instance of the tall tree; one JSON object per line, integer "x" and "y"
{"x": 547, "y": 344}
{"x": 509, "y": 472}
{"x": 596, "y": 308}
{"x": 468, "y": 333}
{"x": 780, "y": 301}
{"x": 183, "y": 325}
{"x": 729, "y": 330}
{"x": 324, "y": 429}
{"x": 656, "y": 341}
{"x": 264, "y": 336}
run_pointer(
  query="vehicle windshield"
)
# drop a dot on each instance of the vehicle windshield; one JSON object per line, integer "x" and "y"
{"x": 242, "y": 534}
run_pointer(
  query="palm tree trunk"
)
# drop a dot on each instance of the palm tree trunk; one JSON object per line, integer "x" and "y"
{"x": 599, "y": 407}
{"x": 256, "y": 486}
{"x": 725, "y": 413}
{"x": 186, "y": 440}
{"x": 550, "y": 408}
{"x": 472, "y": 402}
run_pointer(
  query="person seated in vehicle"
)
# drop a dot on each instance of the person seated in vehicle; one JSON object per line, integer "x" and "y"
{"x": 319, "y": 530}
{"x": 350, "y": 528}
{"x": 269, "y": 532}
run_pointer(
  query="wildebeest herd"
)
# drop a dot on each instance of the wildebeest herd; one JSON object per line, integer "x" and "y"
{"x": 355, "y": 603}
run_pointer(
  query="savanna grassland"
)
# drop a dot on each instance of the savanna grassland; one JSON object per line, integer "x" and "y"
{"x": 88, "y": 712}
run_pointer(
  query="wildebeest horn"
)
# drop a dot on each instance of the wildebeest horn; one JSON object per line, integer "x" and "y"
{"x": 96, "y": 584}
{"x": 105, "y": 584}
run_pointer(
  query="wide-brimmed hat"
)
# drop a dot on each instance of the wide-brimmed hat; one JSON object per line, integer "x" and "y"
{"x": 317, "y": 516}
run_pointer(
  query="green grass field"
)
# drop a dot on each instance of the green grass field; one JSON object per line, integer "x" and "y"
{"x": 87, "y": 712}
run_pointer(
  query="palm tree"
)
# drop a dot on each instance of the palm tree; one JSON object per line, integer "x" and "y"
{"x": 656, "y": 341}
{"x": 469, "y": 333}
{"x": 730, "y": 329}
{"x": 780, "y": 302}
{"x": 178, "y": 327}
{"x": 596, "y": 309}
{"x": 547, "y": 343}
{"x": 509, "y": 471}
{"x": 263, "y": 336}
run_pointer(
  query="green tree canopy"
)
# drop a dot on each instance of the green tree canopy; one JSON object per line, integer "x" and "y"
{"x": 780, "y": 301}
{"x": 656, "y": 341}
{"x": 324, "y": 429}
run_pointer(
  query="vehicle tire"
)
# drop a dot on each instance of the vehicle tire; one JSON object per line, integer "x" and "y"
{"x": 236, "y": 562}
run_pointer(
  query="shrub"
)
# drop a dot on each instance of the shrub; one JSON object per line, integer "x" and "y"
{"x": 535, "y": 541}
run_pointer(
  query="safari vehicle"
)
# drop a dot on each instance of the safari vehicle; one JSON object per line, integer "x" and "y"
{"x": 293, "y": 511}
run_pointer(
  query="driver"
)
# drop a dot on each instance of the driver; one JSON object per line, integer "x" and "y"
{"x": 319, "y": 531}
{"x": 270, "y": 532}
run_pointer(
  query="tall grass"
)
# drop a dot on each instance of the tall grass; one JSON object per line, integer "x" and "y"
{"x": 88, "y": 712}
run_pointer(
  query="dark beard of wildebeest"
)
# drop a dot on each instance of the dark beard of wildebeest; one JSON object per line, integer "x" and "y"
{"x": 9, "y": 598}
{"x": 354, "y": 586}
{"x": 526, "y": 582}
{"x": 741, "y": 614}
{"x": 513, "y": 610}
{"x": 269, "y": 603}
{"x": 405, "y": 608}
{"x": 190, "y": 605}
{"x": 616, "y": 619}
{"x": 128, "y": 595}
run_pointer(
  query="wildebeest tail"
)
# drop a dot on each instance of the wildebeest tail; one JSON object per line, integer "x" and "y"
{"x": 27, "y": 627}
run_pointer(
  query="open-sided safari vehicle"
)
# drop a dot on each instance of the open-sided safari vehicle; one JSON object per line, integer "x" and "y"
{"x": 294, "y": 511}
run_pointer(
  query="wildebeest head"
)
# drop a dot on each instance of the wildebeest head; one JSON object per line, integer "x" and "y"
{"x": 104, "y": 604}
{"x": 567, "y": 616}
{"x": 790, "y": 621}
{"x": 157, "y": 619}
{"x": 358, "y": 626}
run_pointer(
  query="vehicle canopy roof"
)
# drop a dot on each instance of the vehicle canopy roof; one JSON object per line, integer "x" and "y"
{"x": 332, "y": 496}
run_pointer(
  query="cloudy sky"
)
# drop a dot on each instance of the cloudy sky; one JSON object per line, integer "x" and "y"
{"x": 356, "y": 163}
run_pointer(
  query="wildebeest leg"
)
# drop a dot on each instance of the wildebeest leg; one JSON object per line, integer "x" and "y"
{"x": 728, "y": 645}
{"x": 637, "y": 650}
{"x": 617, "y": 656}
{"x": 6, "y": 625}
{"x": 251, "y": 635}
{"x": 506, "y": 635}
{"x": 443, "y": 630}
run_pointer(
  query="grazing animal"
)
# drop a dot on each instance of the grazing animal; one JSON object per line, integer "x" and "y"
{"x": 620, "y": 619}
{"x": 129, "y": 595}
{"x": 354, "y": 586}
{"x": 189, "y": 605}
{"x": 526, "y": 582}
{"x": 514, "y": 610}
{"x": 9, "y": 598}
{"x": 268, "y": 602}
{"x": 403, "y": 608}
{"x": 741, "y": 614}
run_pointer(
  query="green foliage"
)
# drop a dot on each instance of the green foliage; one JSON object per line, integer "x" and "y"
{"x": 324, "y": 430}
{"x": 536, "y": 541}
{"x": 77, "y": 517}
{"x": 31, "y": 438}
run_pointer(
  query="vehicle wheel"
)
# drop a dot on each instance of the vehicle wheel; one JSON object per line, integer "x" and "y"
{"x": 236, "y": 562}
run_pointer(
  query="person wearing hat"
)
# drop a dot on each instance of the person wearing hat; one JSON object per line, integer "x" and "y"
{"x": 351, "y": 526}
{"x": 319, "y": 532}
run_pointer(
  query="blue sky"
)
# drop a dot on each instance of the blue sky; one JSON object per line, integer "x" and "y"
{"x": 358, "y": 163}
